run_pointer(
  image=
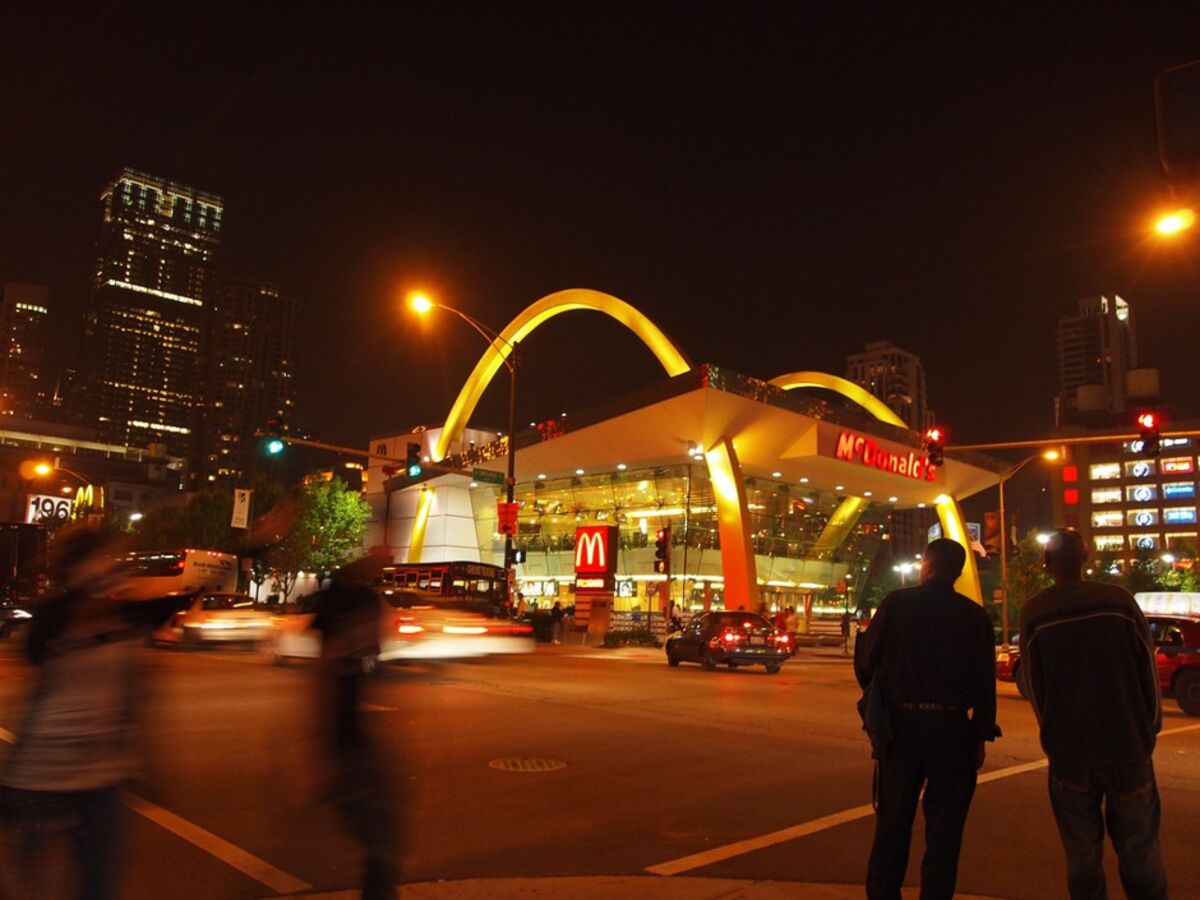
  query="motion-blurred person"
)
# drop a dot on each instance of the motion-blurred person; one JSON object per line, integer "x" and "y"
{"x": 347, "y": 616}
{"x": 556, "y": 622}
{"x": 934, "y": 651}
{"x": 75, "y": 747}
{"x": 1087, "y": 660}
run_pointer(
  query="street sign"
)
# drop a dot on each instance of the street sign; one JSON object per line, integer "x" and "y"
{"x": 506, "y": 518}
{"x": 487, "y": 476}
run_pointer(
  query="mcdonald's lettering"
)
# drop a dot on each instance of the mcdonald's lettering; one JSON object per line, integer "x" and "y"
{"x": 853, "y": 447}
{"x": 595, "y": 549}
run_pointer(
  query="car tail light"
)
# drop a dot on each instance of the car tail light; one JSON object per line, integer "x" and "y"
{"x": 464, "y": 629}
{"x": 783, "y": 638}
{"x": 731, "y": 637}
{"x": 410, "y": 629}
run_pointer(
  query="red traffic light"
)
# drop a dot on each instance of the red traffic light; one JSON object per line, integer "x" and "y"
{"x": 934, "y": 434}
{"x": 1147, "y": 420}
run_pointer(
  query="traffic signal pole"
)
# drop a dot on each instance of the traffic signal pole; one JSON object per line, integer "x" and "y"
{"x": 510, "y": 480}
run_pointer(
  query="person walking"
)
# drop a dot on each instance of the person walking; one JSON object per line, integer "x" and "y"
{"x": 933, "y": 652}
{"x": 556, "y": 622}
{"x": 356, "y": 779}
{"x": 76, "y": 746}
{"x": 1088, "y": 665}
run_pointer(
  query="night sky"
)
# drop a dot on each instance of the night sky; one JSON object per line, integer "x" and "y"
{"x": 773, "y": 184}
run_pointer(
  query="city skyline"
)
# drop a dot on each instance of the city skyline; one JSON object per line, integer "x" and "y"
{"x": 908, "y": 239}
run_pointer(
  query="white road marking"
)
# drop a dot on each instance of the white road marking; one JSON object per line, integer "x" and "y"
{"x": 750, "y": 845}
{"x": 245, "y": 862}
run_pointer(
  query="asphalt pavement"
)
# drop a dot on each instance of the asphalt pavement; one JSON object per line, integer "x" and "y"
{"x": 574, "y": 772}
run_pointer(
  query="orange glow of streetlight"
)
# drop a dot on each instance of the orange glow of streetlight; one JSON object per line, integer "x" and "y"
{"x": 43, "y": 469}
{"x": 1174, "y": 222}
{"x": 420, "y": 303}
{"x": 1051, "y": 455}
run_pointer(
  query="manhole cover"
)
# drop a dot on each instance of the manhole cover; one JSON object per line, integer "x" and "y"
{"x": 527, "y": 764}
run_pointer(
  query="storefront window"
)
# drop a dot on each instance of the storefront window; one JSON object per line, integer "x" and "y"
{"x": 1142, "y": 517}
{"x": 1142, "y": 493}
{"x": 1143, "y": 468}
{"x": 1110, "y": 543}
{"x": 1144, "y": 541}
{"x": 1110, "y": 519}
{"x": 1106, "y": 495}
{"x": 1104, "y": 471}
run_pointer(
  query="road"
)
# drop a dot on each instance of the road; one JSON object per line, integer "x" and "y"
{"x": 669, "y": 772}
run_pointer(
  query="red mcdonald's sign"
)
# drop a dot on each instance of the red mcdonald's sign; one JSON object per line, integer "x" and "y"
{"x": 853, "y": 447}
{"x": 596, "y": 550}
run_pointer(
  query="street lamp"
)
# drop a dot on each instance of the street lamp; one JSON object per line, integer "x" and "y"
{"x": 1050, "y": 455}
{"x": 422, "y": 304}
{"x": 904, "y": 569}
{"x": 1172, "y": 223}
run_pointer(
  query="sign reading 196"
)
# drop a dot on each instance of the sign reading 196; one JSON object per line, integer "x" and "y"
{"x": 48, "y": 508}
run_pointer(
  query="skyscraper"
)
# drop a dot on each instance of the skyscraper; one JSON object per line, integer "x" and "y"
{"x": 22, "y": 347}
{"x": 252, "y": 338}
{"x": 1097, "y": 348}
{"x": 896, "y": 377}
{"x": 145, "y": 325}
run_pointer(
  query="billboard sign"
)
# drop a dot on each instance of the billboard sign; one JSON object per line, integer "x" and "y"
{"x": 596, "y": 550}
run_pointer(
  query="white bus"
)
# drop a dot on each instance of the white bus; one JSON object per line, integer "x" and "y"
{"x": 177, "y": 573}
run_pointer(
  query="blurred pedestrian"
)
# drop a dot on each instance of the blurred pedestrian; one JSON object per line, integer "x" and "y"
{"x": 556, "y": 622}
{"x": 1088, "y": 664}
{"x": 520, "y": 613}
{"x": 933, "y": 648}
{"x": 356, "y": 783}
{"x": 75, "y": 747}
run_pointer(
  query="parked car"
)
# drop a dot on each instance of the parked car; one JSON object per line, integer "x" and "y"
{"x": 733, "y": 638}
{"x": 216, "y": 618}
{"x": 412, "y": 625}
{"x": 1177, "y": 646}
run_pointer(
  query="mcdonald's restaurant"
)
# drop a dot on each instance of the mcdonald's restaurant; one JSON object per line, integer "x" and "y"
{"x": 709, "y": 488}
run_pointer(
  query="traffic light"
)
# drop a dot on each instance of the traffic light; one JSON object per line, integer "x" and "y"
{"x": 935, "y": 446}
{"x": 412, "y": 461}
{"x": 1148, "y": 425}
{"x": 662, "y": 551}
{"x": 273, "y": 431}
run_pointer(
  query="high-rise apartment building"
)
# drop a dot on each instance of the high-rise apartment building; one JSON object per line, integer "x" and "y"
{"x": 252, "y": 339}
{"x": 896, "y": 377}
{"x": 1097, "y": 352}
{"x": 145, "y": 327}
{"x": 23, "y": 313}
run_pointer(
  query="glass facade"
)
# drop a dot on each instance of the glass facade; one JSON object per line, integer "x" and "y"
{"x": 787, "y": 522}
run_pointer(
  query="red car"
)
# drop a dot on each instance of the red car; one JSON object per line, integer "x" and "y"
{"x": 1177, "y": 642}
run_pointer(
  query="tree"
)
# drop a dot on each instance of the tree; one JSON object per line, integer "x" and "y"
{"x": 328, "y": 532}
{"x": 1026, "y": 573}
{"x": 200, "y": 519}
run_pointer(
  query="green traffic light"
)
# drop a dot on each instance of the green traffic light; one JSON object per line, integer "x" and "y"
{"x": 275, "y": 446}
{"x": 413, "y": 470}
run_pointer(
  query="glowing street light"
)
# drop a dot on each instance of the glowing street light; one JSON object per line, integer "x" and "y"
{"x": 422, "y": 304}
{"x": 1174, "y": 222}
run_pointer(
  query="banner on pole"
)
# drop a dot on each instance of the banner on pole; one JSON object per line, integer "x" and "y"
{"x": 241, "y": 508}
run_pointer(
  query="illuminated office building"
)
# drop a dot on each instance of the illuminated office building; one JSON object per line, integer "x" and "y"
{"x": 145, "y": 327}
{"x": 22, "y": 346}
{"x": 252, "y": 338}
{"x": 896, "y": 377}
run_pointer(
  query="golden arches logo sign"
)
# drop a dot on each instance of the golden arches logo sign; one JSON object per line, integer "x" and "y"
{"x": 596, "y": 550}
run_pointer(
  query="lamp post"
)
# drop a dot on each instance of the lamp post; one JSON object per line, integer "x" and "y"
{"x": 422, "y": 304}
{"x": 40, "y": 468}
{"x": 1048, "y": 455}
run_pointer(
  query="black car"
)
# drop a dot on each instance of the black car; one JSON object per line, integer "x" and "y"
{"x": 733, "y": 638}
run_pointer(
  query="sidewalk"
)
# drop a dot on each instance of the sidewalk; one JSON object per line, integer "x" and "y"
{"x": 622, "y": 887}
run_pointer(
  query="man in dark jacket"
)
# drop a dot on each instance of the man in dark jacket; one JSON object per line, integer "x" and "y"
{"x": 935, "y": 651}
{"x": 1088, "y": 665}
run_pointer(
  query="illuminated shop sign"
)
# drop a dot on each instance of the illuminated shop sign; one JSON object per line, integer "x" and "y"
{"x": 1140, "y": 469}
{"x": 1177, "y": 465}
{"x": 866, "y": 451}
{"x": 1179, "y": 515}
{"x": 1138, "y": 446}
{"x": 595, "y": 549}
{"x": 1179, "y": 489}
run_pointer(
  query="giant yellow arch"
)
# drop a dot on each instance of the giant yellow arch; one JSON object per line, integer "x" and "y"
{"x": 844, "y": 518}
{"x": 664, "y": 350}
{"x": 527, "y": 320}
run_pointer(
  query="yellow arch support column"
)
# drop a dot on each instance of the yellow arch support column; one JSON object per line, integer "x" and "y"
{"x": 416, "y": 542}
{"x": 955, "y": 529}
{"x": 840, "y": 524}
{"x": 733, "y": 523}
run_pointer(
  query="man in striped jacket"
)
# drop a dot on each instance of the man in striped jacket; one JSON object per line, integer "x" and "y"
{"x": 1088, "y": 665}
